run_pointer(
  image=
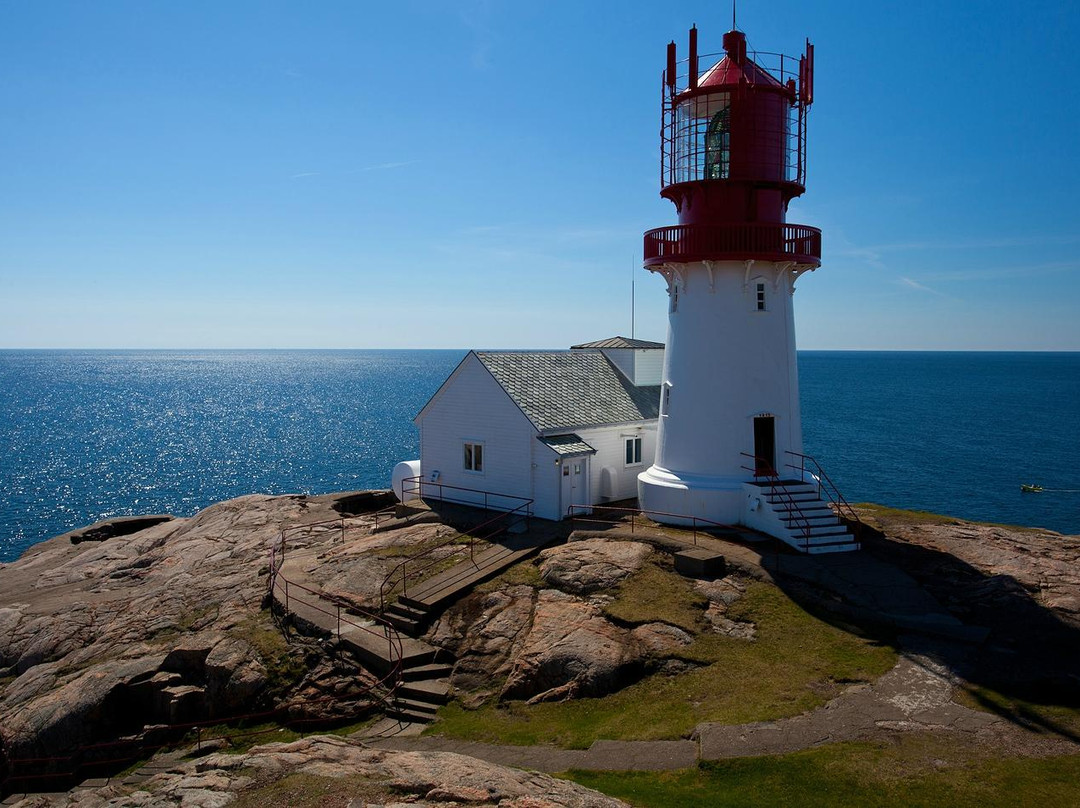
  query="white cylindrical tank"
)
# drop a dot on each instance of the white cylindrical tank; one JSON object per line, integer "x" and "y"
{"x": 403, "y": 471}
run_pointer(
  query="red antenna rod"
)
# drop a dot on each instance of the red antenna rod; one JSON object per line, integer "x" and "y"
{"x": 672, "y": 67}
{"x": 693, "y": 58}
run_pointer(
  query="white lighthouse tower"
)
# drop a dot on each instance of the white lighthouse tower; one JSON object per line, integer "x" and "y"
{"x": 729, "y": 444}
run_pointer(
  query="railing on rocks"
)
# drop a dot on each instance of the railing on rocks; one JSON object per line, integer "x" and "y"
{"x": 416, "y": 565}
{"x": 290, "y": 589}
{"x": 697, "y": 524}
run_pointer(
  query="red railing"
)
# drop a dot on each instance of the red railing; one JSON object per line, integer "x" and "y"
{"x": 86, "y": 759}
{"x": 763, "y": 468}
{"x": 697, "y": 523}
{"x": 278, "y": 582}
{"x": 489, "y": 529}
{"x": 682, "y": 243}
{"x": 825, "y": 485}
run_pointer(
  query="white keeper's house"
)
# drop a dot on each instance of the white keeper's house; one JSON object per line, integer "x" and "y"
{"x": 562, "y": 428}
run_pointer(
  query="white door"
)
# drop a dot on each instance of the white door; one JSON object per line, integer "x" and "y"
{"x": 575, "y": 482}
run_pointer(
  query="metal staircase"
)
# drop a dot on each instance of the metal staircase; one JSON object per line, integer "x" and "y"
{"x": 804, "y": 510}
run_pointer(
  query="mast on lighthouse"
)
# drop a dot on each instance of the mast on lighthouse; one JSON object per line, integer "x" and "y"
{"x": 733, "y": 155}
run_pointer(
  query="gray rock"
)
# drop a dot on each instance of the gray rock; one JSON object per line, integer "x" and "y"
{"x": 592, "y": 565}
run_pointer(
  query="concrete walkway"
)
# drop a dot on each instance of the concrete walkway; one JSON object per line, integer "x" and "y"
{"x": 915, "y": 695}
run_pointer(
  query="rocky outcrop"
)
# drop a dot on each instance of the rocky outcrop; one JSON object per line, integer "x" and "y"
{"x": 592, "y": 565}
{"x": 558, "y": 643}
{"x": 163, "y": 625}
{"x": 572, "y": 650}
{"x": 343, "y": 772}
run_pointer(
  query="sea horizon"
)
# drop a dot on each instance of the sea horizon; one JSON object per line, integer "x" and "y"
{"x": 92, "y": 433}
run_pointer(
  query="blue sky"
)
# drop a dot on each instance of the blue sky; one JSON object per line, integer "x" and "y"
{"x": 478, "y": 174}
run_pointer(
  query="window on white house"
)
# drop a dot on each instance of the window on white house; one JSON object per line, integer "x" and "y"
{"x": 665, "y": 399}
{"x": 474, "y": 457}
{"x": 761, "y": 297}
{"x": 633, "y": 451}
{"x": 674, "y": 297}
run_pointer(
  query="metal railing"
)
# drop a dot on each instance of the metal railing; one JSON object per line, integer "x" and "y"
{"x": 763, "y": 468}
{"x": 278, "y": 582}
{"x": 485, "y": 531}
{"x": 702, "y": 242}
{"x": 28, "y": 774}
{"x": 697, "y": 523}
{"x": 825, "y": 485}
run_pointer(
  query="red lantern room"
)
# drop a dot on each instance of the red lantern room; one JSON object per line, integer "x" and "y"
{"x": 733, "y": 155}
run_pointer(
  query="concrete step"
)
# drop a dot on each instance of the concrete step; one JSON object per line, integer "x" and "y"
{"x": 416, "y": 713}
{"x": 431, "y": 691}
{"x": 813, "y": 517}
{"x": 406, "y": 625}
{"x": 836, "y": 547}
{"x": 436, "y": 670}
{"x": 378, "y": 646}
{"x": 409, "y": 612}
{"x": 795, "y": 496}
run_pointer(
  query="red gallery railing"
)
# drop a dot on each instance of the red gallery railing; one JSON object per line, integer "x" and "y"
{"x": 683, "y": 243}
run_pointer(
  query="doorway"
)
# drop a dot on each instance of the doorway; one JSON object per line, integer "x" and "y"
{"x": 575, "y": 482}
{"x": 764, "y": 446}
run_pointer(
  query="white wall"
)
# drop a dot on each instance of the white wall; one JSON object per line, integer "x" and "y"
{"x": 642, "y": 366}
{"x": 726, "y": 362}
{"x": 472, "y": 407}
{"x": 610, "y": 445}
{"x": 648, "y": 366}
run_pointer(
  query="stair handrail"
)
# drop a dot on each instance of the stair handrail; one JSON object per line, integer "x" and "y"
{"x": 832, "y": 491}
{"x": 394, "y": 677}
{"x": 764, "y": 468}
{"x": 708, "y": 524}
{"x": 415, "y": 485}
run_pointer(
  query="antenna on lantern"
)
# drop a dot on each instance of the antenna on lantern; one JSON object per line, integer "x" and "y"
{"x": 732, "y": 15}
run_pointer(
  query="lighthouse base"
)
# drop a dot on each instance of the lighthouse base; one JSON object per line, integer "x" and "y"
{"x": 674, "y": 499}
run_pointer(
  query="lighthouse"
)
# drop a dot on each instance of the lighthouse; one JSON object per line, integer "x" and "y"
{"x": 733, "y": 156}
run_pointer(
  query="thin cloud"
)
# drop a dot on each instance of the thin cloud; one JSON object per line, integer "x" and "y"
{"x": 913, "y": 284}
{"x": 305, "y": 174}
{"x": 386, "y": 166}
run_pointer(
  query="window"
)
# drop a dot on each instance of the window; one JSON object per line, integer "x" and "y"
{"x": 674, "y": 297}
{"x": 761, "y": 297}
{"x": 665, "y": 399}
{"x": 718, "y": 146}
{"x": 633, "y": 451}
{"x": 474, "y": 457}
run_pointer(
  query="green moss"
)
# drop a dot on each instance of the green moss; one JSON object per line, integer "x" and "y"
{"x": 523, "y": 573}
{"x": 653, "y": 594}
{"x": 797, "y": 663}
{"x": 918, "y": 771}
{"x": 285, "y": 665}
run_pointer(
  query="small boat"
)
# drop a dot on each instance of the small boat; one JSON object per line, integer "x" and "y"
{"x": 1030, "y": 489}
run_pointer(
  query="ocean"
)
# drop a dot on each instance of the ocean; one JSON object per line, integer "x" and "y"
{"x": 87, "y": 435}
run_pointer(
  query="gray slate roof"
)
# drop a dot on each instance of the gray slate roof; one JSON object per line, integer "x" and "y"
{"x": 570, "y": 389}
{"x": 567, "y": 444}
{"x": 619, "y": 342}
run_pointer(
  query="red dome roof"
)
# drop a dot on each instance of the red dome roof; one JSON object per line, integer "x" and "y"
{"x": 736, "y": 68}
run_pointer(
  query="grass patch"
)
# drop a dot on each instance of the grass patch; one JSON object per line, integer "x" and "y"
{"x": 285, "y": 665}
{"x": 653, "y": 594}
{"x": 796, "y": 664}
{"x": 887, "y": 514}
{"x": 300, "y": 790}
{"x": 917, "y": 771}
{"x": 523, "y": 573}
{"x": 241, "y": 738}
